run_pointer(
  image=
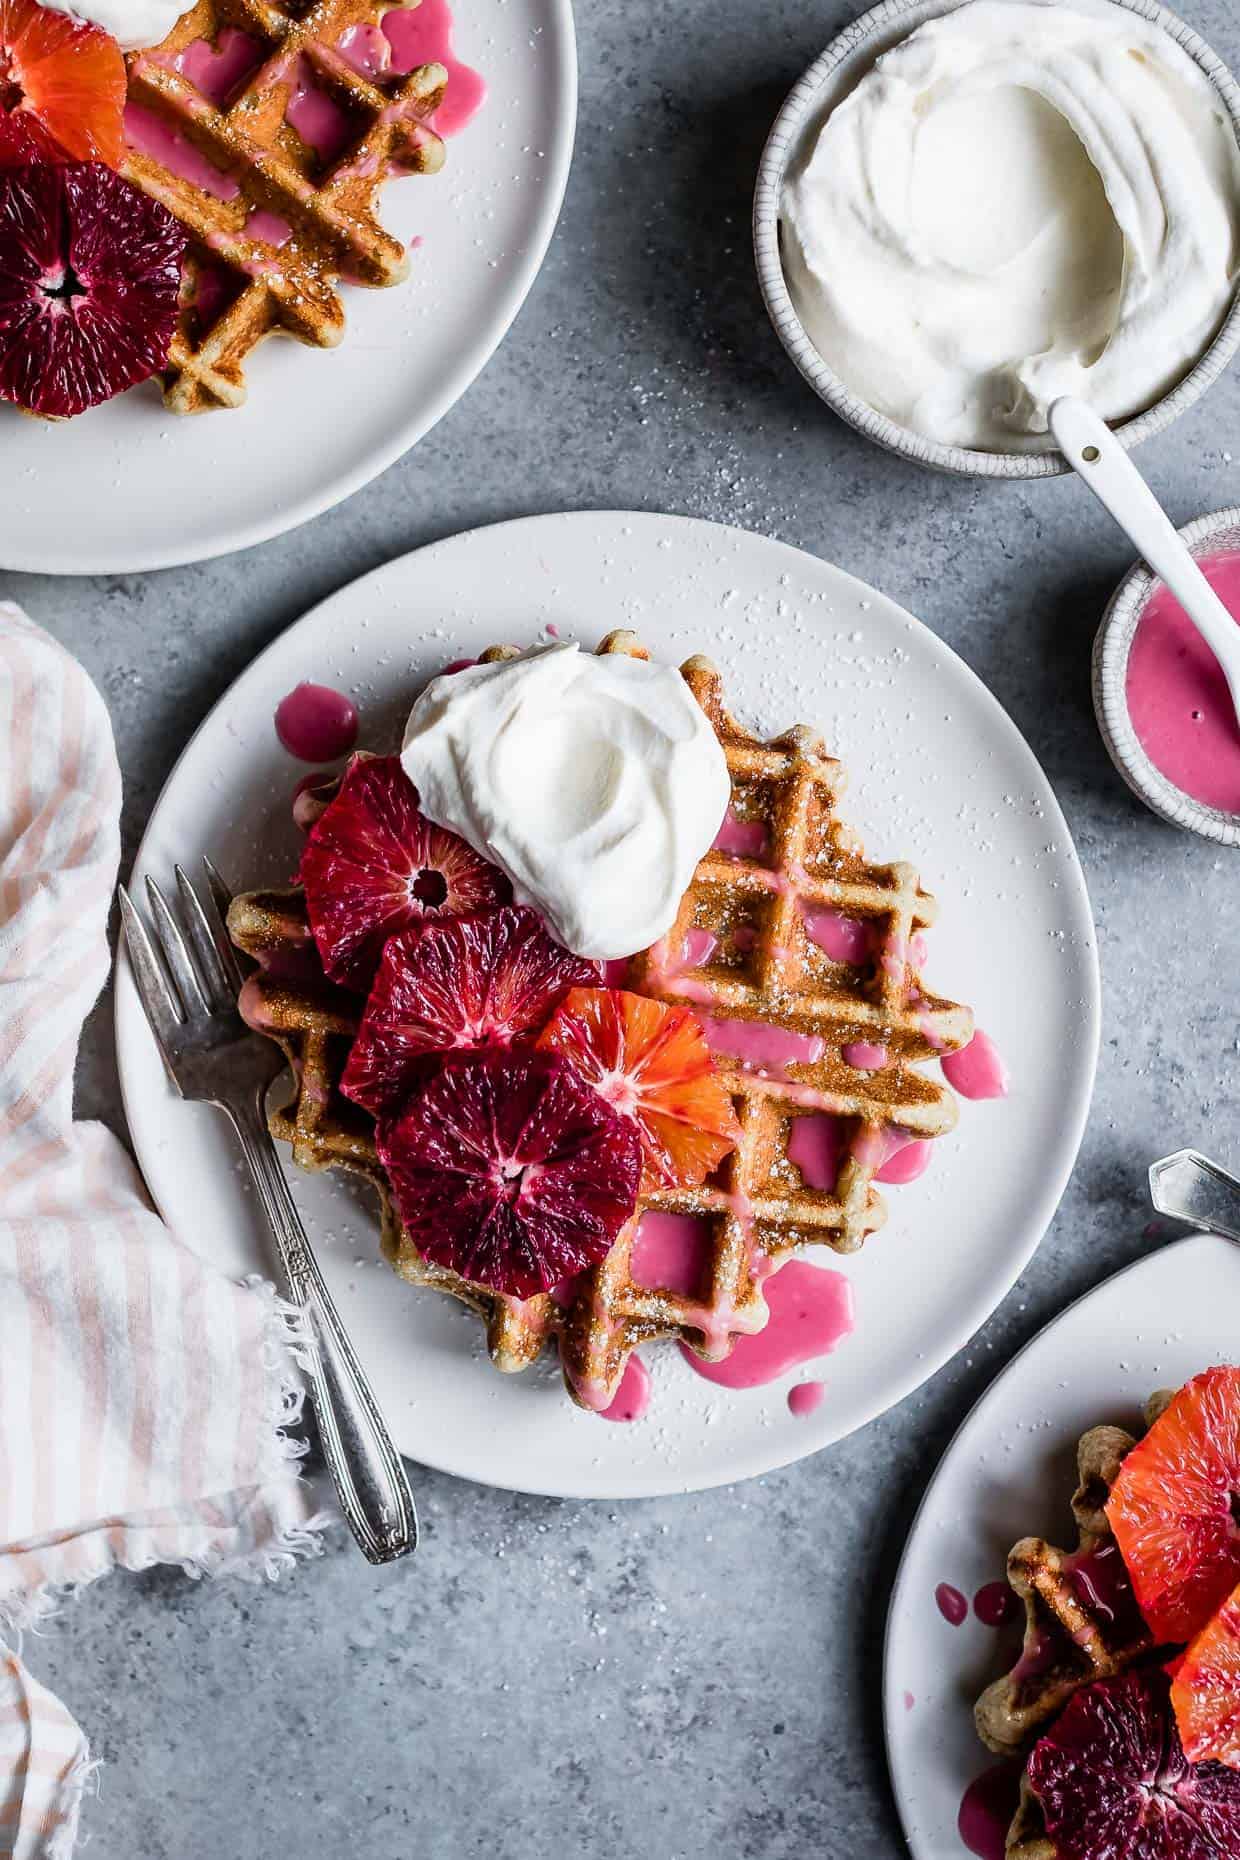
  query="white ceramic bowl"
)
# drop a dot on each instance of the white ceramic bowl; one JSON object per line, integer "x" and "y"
{"x": 827, "y": 82}
{"x": 1209, "y": 535}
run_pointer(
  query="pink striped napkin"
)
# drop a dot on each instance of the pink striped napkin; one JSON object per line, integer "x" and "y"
{"x": 110, "y": 1331}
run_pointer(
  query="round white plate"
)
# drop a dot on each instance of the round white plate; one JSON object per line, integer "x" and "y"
{"x": 1010, "y": 1473}
{"x": 129, "y": 486}
{"x": 939, "y": 775}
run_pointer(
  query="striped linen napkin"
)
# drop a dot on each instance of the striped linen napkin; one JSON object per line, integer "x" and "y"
{"x": 110, "y": 1330}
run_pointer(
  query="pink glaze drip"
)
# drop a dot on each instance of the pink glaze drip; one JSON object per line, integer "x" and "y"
{"x": 759, "y": 1046}
{"x": 671, "y": 1253}
{"x": 150, "y": 135}
{"x": 698, "y": 947}
{"x": 805, "y": 1398}
{"x": 976, "y": 1071}
{"x": 918, "y": 950}
{"x": 422, "y": 35}
{"x": 219, "y": 71}
{"x": 987, "y": 1808}
{"x": 864, "y": 1056}
{"x": 845, "y": 939}
{"x": 951, "y": 1604}
{"x": 367, "y": 48}
{"x": 909, "y": 1701}
{"x": 632, "y": 1399}
{"x": 316, "y": 724}
{"x": 318, "y": 119}
{"x": 811, "y": 1312}
{"x": 818, "y": 1143}
{"x": 1178, "y": 699}
{"x": 268, "y": 227}
{"x": 744, "y": 838}
{"x": 907, "y": 1158}
{"x": 995, "y": 1604}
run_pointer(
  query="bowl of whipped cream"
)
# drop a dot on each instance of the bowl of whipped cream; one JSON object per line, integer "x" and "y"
{"x": 967, "y": 208}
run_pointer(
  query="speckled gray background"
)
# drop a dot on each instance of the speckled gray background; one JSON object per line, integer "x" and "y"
{"x": 699, "y": 1676}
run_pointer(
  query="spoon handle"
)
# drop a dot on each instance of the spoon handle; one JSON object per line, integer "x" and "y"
{"x": 1094, "y": 452}
{"x": 1189, "y": 1187}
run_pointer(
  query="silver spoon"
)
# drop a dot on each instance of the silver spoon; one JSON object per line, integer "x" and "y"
{"x": 1096, "y": 455}
{"x": 1189, "y": 1187}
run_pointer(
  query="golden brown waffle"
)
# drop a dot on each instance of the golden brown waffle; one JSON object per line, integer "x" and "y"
{"x": 758, "y": 1208}
{"x": 1076, "y": 1630}
{"x": 1078, "y": 1627}
{"x": 237, "y": 287}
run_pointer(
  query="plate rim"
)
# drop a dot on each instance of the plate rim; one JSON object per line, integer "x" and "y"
{"x": 921, "y": 1368}
{"x": 511, "y": 300}
{"x": 1156, "y": 1259}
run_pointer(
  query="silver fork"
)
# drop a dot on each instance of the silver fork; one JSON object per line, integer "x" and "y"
{"x": 214, "y": 1057}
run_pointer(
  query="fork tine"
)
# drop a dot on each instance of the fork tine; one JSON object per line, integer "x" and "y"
{"x": 210, "y": 968}
{"x": 161, "y": 1010}
{"x": 175, "y": 953}
{"x": 219, "y": 897}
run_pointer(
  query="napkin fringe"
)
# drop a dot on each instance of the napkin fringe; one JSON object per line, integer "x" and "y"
{"x": 287, "y": 1349}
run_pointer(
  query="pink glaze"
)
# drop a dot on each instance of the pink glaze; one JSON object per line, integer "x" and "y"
{"x": 909, "y": 1701}
{"x": 219, "y": 71}
{"x": 698, "y": 947}
{"x": 422, "y": 35}
{"x": 987, "y": 1808}
{"x": 818, "y": 1142}
{"x": 806, "y": 1397}
{"x": 864, "y": 1056}
{"x": 151, "y": 135}
{"x": 951, "y": 1604}
{"x": 745, "y": 838}
{"x": 367, "y": 48}
{"x": 671, "y": 1253}
{"x": 318, "y": 119}
{"x": 268, "y": 227}
{"x": 816, "y": 1145}
{"x": 845, "y": 939}
{"x": 907, "y": 1158}
{"x": 811, "y": 1312}
{"x": 632, "y": 1398}
{"x": 995, "y": 1603}
{"x": 917, "y": 950}
{"x": 1178, "y": 698}
{"x": 316, "y": 724}
{"x": 759, "y": 1046}
{"x": 976, "y": 1071}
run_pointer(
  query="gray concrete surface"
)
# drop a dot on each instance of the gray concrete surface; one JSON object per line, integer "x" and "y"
{"x": 694, "y": 1677}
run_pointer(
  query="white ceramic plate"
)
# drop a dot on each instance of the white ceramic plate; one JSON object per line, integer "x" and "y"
{"x": 1010, "y": 1473}
{"x": 129, "y": 486}
{"x": 939, "y": 774}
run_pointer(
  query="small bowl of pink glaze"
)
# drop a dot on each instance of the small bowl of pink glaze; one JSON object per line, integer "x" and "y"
{"x": 1161, "y": 700}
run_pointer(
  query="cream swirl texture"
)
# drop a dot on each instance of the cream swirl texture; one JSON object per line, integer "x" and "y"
{"x": 133, "y": 23}
{"x": 1020, "y": 200}
{"x": 595, "y": 783}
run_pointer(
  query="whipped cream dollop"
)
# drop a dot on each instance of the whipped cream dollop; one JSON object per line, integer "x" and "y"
{"x": 133, "y": 23}
{"x": 1020, "y": 200}
{"x": 595, "y": 783}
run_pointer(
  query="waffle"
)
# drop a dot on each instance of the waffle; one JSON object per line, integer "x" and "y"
{"x": 238, "y": 287}
{"x": 1072, "y": 1636}
{"x": 762, "y": 969}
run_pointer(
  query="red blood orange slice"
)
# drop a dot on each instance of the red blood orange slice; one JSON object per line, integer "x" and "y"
{"x": 1175, "y": 1505}
{"x": 508, "y": 1169}
{"x": 374, "y": 865}
{"x": 462, "y": 983}
{"x": 67, "y": 76}
{"x": 1205, "y": 1689}
{"x": 651, "y": 1062}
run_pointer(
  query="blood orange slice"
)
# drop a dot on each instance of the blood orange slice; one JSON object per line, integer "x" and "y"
{"x": 1175, "y": 1507}
{"x": 651, "y": 1062}
{"x": 66, "y": 76}
{"x": 1205, "y": 1689}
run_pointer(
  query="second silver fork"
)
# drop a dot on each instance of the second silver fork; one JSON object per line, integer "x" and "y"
{"x": 189, "y": 992}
